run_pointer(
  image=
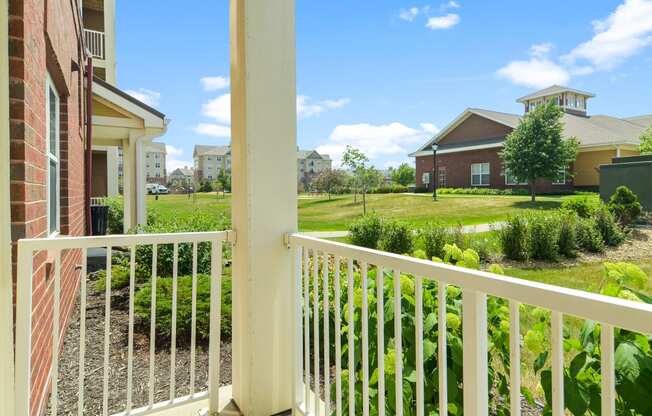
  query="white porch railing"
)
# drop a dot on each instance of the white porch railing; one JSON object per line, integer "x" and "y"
{"x": 312, "y": 282}
{"x": 95, "y": 42}
{"x": 26, "y": 317}
{"x": 98, "y": 200}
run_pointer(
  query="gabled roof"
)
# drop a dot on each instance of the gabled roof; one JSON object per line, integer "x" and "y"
{"x": 644, "y": 120}
{"x": 204, "y": 150}
{"x": 553, "y": 90}
{"x": 99, "y": 82}
{"x": 183, "y": 171}
{"x": 507, "y": 119}
{"x": 311, "y": 154}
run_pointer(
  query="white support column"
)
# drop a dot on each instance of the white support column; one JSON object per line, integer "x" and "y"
{"x": 112, "y": 187}
{"x": 6, "y": 303}
{"x": 141, "y": 189}
{"x": 264, "y": 202}
{"x": 475, "y": 377}
{"x": 109, "y": 41}
{"x": 129, "y": 183}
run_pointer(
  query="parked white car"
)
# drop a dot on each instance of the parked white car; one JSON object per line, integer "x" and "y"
{"x": 154, "y": 188}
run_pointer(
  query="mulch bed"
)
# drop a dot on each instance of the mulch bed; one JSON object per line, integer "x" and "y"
{"x": 94, "y": 366}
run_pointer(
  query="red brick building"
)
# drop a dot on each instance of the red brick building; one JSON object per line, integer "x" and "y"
{"x": 468, "y": 149}
{"x": 47, "y": 142}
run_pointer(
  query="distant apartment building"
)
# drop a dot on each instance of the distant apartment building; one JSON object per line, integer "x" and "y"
{"x": 184, "y": 176}
{"x": 211, "y": 160}
{"x": 155, "y": 163}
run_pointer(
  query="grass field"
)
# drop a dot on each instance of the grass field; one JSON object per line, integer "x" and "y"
{"x": 321, "y": 214}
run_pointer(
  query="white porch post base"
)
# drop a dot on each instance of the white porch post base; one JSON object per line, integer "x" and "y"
{"x": 264, "y": 202}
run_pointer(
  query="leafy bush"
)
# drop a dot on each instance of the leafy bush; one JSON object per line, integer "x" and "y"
{"x": 487, "y": 248}
{"x": 115, "y": 217}
{"x": 396, "y": 237}
{"x": 611, "y": 233}
{"x": 513, "y": 238}
{"x": 165, "y": 252}
{"x": 583, "y": 207}
{"x": 366, "y": 231}
{"x": 434, "y": 236}
{"x": 120, "y": 275}
{"x": 543, "y": 237}
{"x": 142, "y": 306}
{"x": 625, "y": 206}
{"x": 567, "y": 242}
{"x": 389, "y": 189}
{"x": 588, "y": 236}
{"x": 205, "y": 186}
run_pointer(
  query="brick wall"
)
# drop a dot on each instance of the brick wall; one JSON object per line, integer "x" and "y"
{"x": 43, "y": 38}
{"x": 458, "y": 170}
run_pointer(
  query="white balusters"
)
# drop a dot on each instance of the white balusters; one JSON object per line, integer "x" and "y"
{"x": 306, "y": 327}
{"x": 608, "y": 370}
{"x": 56, "y": 327}
{"x": 365, "y": 340}
{"x": 418, "y": 333}
{"x": 380, "y": 340}
{"x": 82, "y": 332}
{"x": 315, "y": 322}
{"x": 215, "y": 331}
{"x": 107, "y": 331}
{"x": 152, "y": 326}
{"x": 327, "y": 348}
{"x": 338, "y": 338}
{"x": 130, "y": 347}
{"x": 351, "y": 333}
{"x": 475, "y": 373}
{"x": 442, "y": 358}
{"x": 193, "y": 319}
{"x": 398, "y": 343}
{"x": 173, "y": 335}
{"x": 514, "y": 359}
{"x": 297, "y": 283}
{"x": 557, "y": 346}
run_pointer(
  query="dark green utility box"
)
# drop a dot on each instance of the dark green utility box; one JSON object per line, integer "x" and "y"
{"x": 634, "y": 172}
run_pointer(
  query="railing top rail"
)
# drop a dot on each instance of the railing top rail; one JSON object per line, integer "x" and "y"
{"x": 94, "y": 31}
{"x": 614, "y": 311}
{"x": 65, "y": 243}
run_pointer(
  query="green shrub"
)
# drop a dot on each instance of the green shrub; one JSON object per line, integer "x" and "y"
{"x": 513, "y": 238}
{"x": 486, "y": 246}
{"x": 588, "y": 236}
{"x": 434, "y": 236}
{"x": 366, "y": 231}
{"x": 543, "y": 237}
{"x": 583, "y": 207}
{"x": 119, "y": 278}
{"x": 142, "y": 306}
{"x": 611, "y": 233}
{"x": 389, "y": 189}
{"x": 115, "y": 216}
{"x": 205, "y": 186}
{"x": 625, "y": 206}
{"x": 396, "y": 237}
{"x": 567, "y": 234}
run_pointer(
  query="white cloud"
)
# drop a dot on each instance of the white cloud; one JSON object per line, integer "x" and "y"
{"x": 536, "y": 73}
{"x": 219, "y": 109}
{"x": 409, "y": 14}
{"x": 429, "y": 128}
{"x": 541, "y": 50}
{"x": 149, "y": 97}
{"x": 306, "y": 108}
{"x": 173, "y": 151}
{"x": 373, "y": 140}
{"x": 621, "y": 35}
{"x": 450, "y": 5}
{"x": 213, "y": 130}
{"x": 443, "y": 22}
{"x": 214, "y": 83}
{"x": 172, "y": 164}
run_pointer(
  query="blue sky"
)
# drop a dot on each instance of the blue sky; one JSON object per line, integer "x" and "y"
{"x": 385, "y": 75}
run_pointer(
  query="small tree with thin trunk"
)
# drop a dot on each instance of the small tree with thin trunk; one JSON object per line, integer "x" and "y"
{"x": 403, "y": 175}
{"x": 646, "y": 141}
{"x": 536, "y": 149}
{"x": 329, "y": 181}
{"x": 355, "y": 160}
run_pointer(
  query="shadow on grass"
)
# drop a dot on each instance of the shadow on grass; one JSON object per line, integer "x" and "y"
{"x": 543, "y": 205}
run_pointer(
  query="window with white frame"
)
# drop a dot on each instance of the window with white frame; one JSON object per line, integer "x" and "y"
{"x": 443, "y": 177}
{"x": 480, "y": 173}
{"x": 561, "y": 177}
{"x": 512, "y": 180}
{"x": 53, "y": 139}
{"x": 425, "y": 178}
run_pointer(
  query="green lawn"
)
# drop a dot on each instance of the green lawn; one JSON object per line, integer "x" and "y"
{"x": 321, "y": 214}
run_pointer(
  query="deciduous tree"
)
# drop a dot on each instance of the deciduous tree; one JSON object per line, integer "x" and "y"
{"x": 403, "y": 175}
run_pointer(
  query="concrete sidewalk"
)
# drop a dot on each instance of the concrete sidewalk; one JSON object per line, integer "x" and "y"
{"x": 466, "y": 229}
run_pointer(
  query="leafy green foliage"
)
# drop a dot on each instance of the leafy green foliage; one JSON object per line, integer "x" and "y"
{"x": 606, "y": 223}
{"x": 514, "y": 238}
{"x": 536, "y": 149}
{"x": 588, "y": 236}
{"x": 142, "y": 305}
{"x": 115, "y": 215}
{"x": 205, "y": 186}
{"x": 403, "y": 175}
{"x": 582, "y": 379}
{"x": 625, "y": 206}
{"x": 583, "y": 207}
{"x": 396, "y": 237}
{"x": 567, "y": 234}
{"x": 119, "y": 278}
{"x": 543, "y": 237}
{"x": 646, "y": 141}
{"x": 434, "y": 236}
{"x": 366, "y": 231}
{"x": 329, "y": 181}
